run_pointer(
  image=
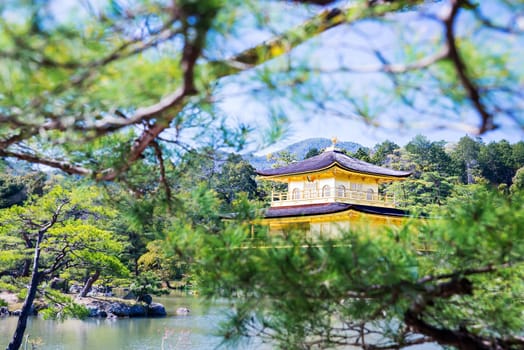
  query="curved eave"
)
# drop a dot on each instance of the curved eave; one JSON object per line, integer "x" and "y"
{"x": 334, "y": 164}
{"x": 298, "y": 211}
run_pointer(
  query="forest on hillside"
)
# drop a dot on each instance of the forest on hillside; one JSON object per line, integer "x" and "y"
{"x": 440, "y": 169}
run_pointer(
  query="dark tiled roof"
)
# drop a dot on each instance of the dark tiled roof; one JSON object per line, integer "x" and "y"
{"x": 329, "y": 208}
{"x": 368, "y": 209}
{"x": 329, "y": 158}
{"x": 304, "y": 210}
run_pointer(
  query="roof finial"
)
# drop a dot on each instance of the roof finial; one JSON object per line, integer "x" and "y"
{"x": 334, "y": 141}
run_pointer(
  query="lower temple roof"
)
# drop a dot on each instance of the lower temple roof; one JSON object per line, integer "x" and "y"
{"x": 330, "y": 208}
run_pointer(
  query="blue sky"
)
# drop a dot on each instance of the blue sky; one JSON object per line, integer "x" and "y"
{"x": 396, "y": 123}
{"x": 301, "y": 128}
{"x": 303, "y": 123}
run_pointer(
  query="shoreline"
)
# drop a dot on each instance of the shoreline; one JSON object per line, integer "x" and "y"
{"x": 98, "y": 307}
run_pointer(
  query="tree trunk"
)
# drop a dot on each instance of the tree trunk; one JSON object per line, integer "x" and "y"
{"x": 27, "y": 262}
{"x": 469, "y": 173}
{"x": 135, "y": 267}
{"x": 16, "y": 342}
{"x": 89, "y": 283}
{"x": 26, "y": 268}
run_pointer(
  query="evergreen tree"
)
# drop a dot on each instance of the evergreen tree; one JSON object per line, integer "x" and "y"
{"x": 236, "y": 176}
{"x": 428, "y": 155}
{"x": 518, "y": 181}
{"x": 312, "y": 152}
{"x": 378, "y": 290}
{"x": 282, "y": 158}
{"x": 60, "y": 230}
{"x": 16, "y": 188}
{"x": 362, "y": 154}
{"x": 518, "y": 154}
{"x": 381, "y": 151}
{"x": 465, "y": 159}
{"x": 496, "y": 162}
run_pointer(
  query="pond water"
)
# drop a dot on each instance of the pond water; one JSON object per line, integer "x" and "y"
{"x": 194, "y": 331}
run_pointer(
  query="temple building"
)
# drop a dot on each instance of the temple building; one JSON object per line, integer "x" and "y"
{"x": 331, "y": 192}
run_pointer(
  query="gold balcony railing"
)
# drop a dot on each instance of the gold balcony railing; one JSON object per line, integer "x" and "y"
{"x": 330, "y": 194}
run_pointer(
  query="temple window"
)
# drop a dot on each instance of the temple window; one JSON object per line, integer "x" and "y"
{"x": 295, "y": 194}
{"x": 370, "y": 195}
{"x": 341, "y": 191}
{"x": 326, "y": 191}
{"x": 310, "y": 189}
{"x": 355, "y": 186}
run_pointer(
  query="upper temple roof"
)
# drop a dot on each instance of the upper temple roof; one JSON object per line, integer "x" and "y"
{"x": 328, "y": 159}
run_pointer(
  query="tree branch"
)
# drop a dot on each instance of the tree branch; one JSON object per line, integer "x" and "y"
{"x": 292, "y": 38}
{"x": 461, "y": 338}
{"x": 163, "y": 178}
{"x": 461, "y": 69}
{"x": 509, "y": 29}
{"x": 394, "y": 68}
{"x": 168, "y": 107}
{"x": 468, "y": 272}
{"x": 174, "y": 103}
{"x": 64, "y": 166}
{"x": 128, "y": 48}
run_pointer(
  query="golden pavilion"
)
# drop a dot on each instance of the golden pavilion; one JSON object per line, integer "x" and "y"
{"x": 330, "y": 192}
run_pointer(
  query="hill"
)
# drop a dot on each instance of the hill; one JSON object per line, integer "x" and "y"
{"x": 300, "y": 149}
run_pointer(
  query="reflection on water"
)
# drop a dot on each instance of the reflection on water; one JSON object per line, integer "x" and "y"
{"x": 194, "y": 331}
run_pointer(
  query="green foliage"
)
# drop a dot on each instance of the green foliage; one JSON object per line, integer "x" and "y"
{"x": 381, "y": 151}
{"x": 518, "y": 154}
{"x": 61, "y": 306}
{"x": 76, "y": 236}
{"x": 362, "y": 154}
{"x": 77, "y": 89}
{"x": 15, "y": 189}
{"x": 22, "y": 294}
{"x": 142, "y": 216}
{"x": 496, "y": 162}
{"x": 481, "y": 232}
{"x": 518, "y": 181}
{"x": 67, "y": 43}
{"x": 438, "y": 169}
{"x": 483, "y": 228}
{"x": 428, "y": 155}
{"x": 147, "y": 283}
{"x": 159, "y": 261}
{"x": 10, "y": 191}
{"x": 91, "y": 246}
{"x": 7, "y": 284}
{"x": 465, "y": 159}
{"x": 311, "y": 153}
{"x": 236, "y": 176}
{"x": 281, "y": 159}
{"x": 297, "y": 292}
{"x": 429, "y": 190}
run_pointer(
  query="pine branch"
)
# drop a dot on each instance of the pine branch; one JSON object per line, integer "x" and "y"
{"x": 163, "y": 178}
{"x": 64, "y": 166}
{"x": 461, "y": 69}
{"x": 461, "y": 338}
{"x": 298, "y": 35}
{"x": 168, "y": 107}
